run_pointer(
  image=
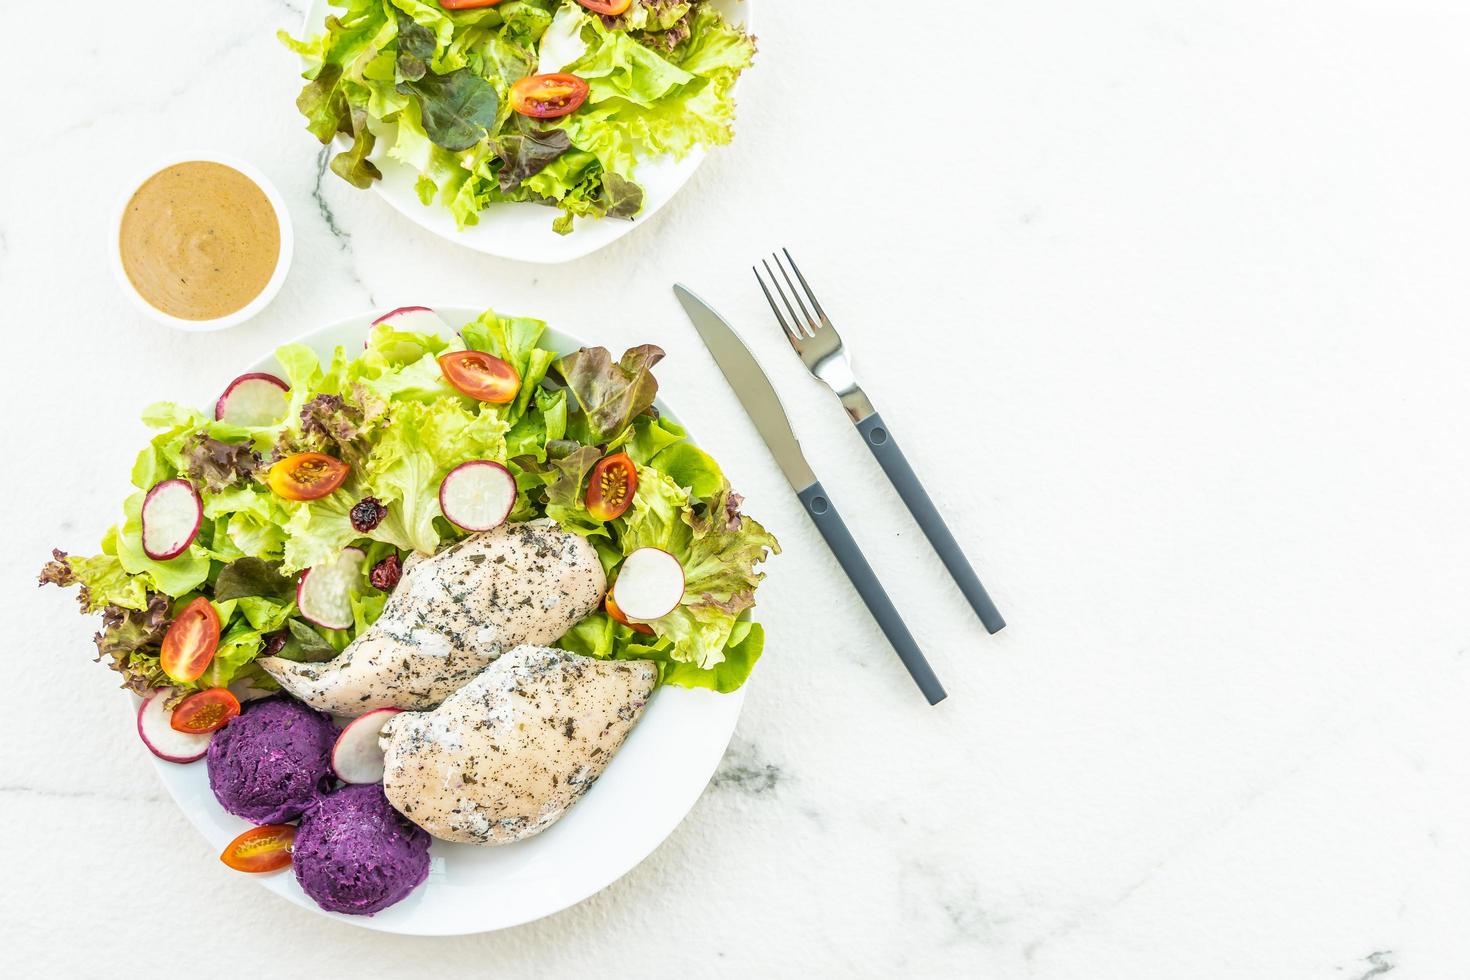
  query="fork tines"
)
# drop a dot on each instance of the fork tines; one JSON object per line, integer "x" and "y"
{"x": 804, "y": 324}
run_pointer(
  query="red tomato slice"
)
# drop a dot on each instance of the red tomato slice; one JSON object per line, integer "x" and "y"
{"x": 190, "y": 642}
{"x": 480, "y": 376}
{"x": 259, "y": 849}
{"x": 618, "y": 616}
{"x": 205, "y": 711}
{"x": 548, "y": 96}
{"x": 611, "y": 486}
{"x": 609, "y": 7}
{"x": 306, "y": 476}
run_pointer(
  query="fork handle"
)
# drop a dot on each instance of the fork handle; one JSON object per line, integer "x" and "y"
{"x": 820, "y": 509}
{"x": 912, "y": 492}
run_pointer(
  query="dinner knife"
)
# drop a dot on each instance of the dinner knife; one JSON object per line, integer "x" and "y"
{"x": 763, "y": 406}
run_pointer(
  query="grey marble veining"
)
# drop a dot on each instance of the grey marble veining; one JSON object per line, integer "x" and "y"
{"x": 1167, "y": 304}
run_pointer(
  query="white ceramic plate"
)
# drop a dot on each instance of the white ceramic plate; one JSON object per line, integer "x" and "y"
{"x": 647, "y": 789}
{"x": 523, "y": 231}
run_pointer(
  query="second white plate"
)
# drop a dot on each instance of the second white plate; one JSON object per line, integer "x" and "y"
{"x": 523, "y": 231}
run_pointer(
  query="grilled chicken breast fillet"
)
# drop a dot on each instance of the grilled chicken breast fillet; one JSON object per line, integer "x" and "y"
{"x": 505, "y": 756}
{"x": 451, "y": 615}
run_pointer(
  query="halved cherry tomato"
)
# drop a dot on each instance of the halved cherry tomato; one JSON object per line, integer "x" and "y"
{"x": 306, "y": 476}
{"x": 548, "y": 96}
{"x": 611, "y": 487}
{"x": 618, "y": 616}
{"x": 609, "y": 7}
{"x": 265, "y": 848}
{"x": 470, "y": 4}
{"x": 480, "y": 376}
{"x": 190, "y": 642}
{"x": 205, "y": 711}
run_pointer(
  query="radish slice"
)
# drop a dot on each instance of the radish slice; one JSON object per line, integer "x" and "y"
{"x": 358, "y": 756}
{"x": 170, "y": 516}
{"x": 478, "y": 495}
{"x": 158, "y": 734}
{"x": 253, "y": 399}
{"x": 324, "y": 594}
{"x": 416, "y": 319}
{"x": 650, "y": 584}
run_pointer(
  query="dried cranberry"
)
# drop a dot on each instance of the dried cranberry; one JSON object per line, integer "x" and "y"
{"x": 386, "y": 573}
{"x": 367, "y": 514}
{"x": 275, "y": 643}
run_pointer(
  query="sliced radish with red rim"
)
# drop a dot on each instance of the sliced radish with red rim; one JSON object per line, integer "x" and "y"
{"x": 324, "y": 594}
{"x": 254, "y": 399}
{"x": 478, "y": 495}
{"x": 170, "y": 516}
{"x": 650, "y": 584}
{"x": 156, "y": 730}
{"x": 357, "y": 757}
{"x": 417, "y": 319}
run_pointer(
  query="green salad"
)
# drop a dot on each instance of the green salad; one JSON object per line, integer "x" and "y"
{"x": 549, "y": 101}
{"x": 388, "y": 424}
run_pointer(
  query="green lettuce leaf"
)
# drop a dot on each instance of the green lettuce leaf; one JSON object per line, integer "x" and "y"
{"x": 352, "y": 164}
{"x": 305, "y": 645}
{"x": 317, "y": 530}
{"x": 253, "y": 578}
{"x": 652, "y": 15}
{"x": 417, "y": 46}
{"x": 622, "y": 123}
{"x": 720, "y": 549}
{"x": 457, "y": 109}
{"x": 175, "y": 577}
{"x": 412, "y": 457}
{"x": 608, "y": 395}
{"x": 104, "y": 582}
{"x": 526, "y": 150}
{"x": 650, "y": 436}
{"x": 513, "y": 340}
{"x": 742, "y": 649}
{"x": 690, "y": 467}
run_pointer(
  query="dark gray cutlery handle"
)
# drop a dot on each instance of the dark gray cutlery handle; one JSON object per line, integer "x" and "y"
{"x": 819, "y": 507}
{"x": 901, "y": 475}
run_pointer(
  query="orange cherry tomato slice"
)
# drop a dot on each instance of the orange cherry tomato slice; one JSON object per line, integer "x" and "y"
{"x": 306, "y": 476}
{"x": 548, "y": 96}
{"x": 618, "y": 616}
{"x": 205, "y": 711}
{"x": 261, "y": 849}
{"x": 611, "y": 486}
{"x": 190, "y": 642}
{"x": 609, "y": 7}
{"x": 480, "y": 376}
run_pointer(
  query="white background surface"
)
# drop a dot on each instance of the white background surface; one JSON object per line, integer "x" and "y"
{"x": 1166, "y": 302}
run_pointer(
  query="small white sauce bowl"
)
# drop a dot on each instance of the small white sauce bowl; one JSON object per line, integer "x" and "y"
{"x": 262, "y": 299}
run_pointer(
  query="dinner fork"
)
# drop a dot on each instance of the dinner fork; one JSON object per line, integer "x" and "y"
{"x": 819, "y": 346}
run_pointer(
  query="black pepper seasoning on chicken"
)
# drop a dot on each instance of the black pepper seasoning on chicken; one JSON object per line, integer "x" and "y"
{"x": 451, "y": 615}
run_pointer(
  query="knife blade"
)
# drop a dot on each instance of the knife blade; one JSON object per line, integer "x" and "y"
{"x": 763, "y": 405}
{"x": 752, "y": 387}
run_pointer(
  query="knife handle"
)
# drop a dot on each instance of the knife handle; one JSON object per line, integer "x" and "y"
{"x": 911, "y": 491}
{"x": 822, "y": 512}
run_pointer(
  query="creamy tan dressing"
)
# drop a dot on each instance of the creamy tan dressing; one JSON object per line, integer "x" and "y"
{"x": 199, "y": 240}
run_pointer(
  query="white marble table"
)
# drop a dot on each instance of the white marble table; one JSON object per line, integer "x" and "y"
{"x": 1166, "y": 300}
